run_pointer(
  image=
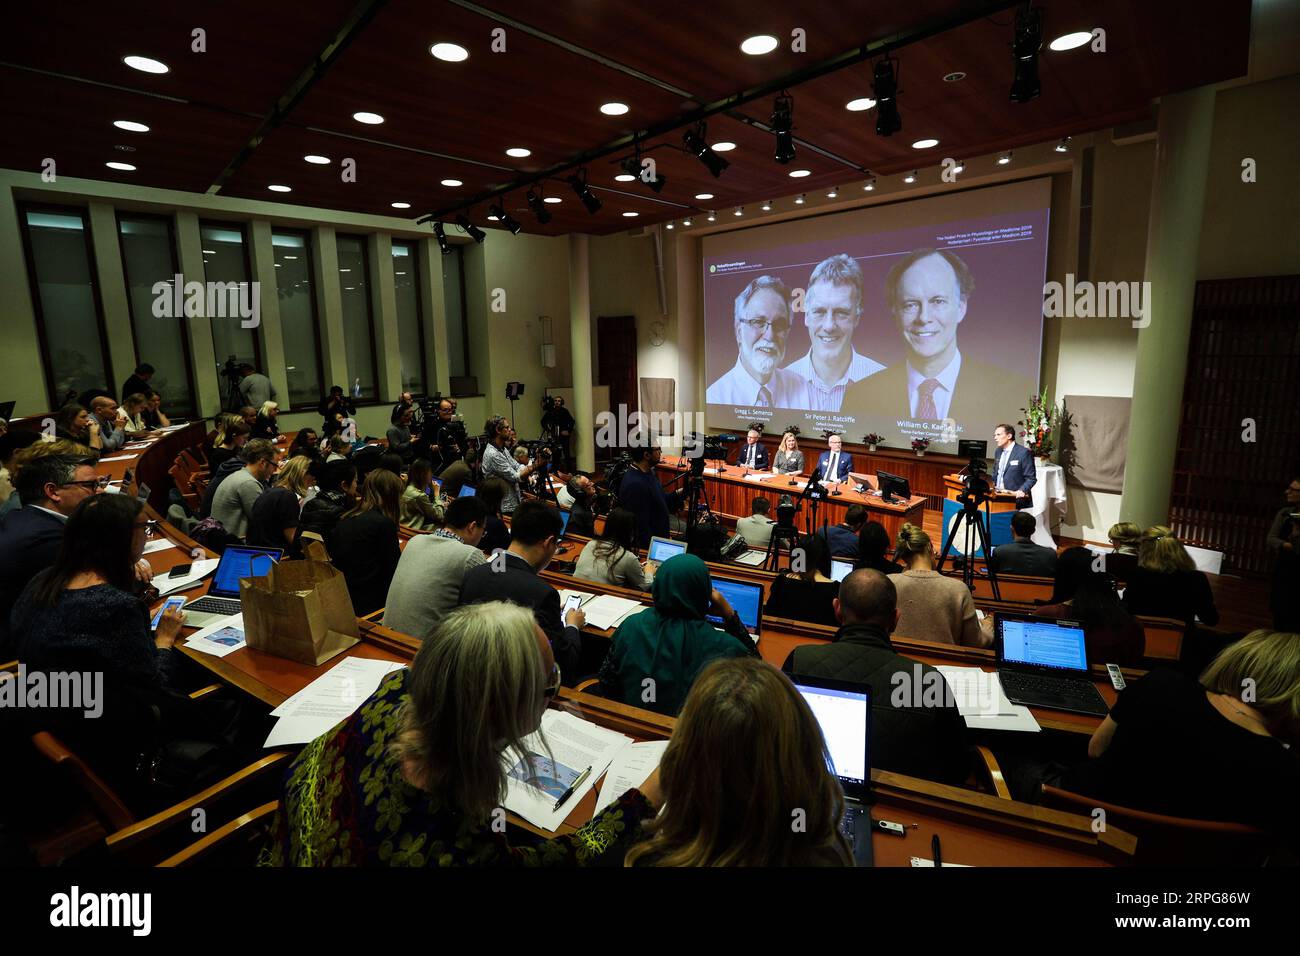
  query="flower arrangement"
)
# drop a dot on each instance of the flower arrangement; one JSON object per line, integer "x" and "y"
{"x": 872, "y": 440}
{"x": 757, "y": 427}
{"x": 919, "y": 445}
{"x": 792, "y": 429}
{"x": 1040, "y": 425}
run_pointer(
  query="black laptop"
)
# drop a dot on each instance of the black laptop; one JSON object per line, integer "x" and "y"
{"x": 1044, "y": 663}
{"x": 843, "y": 710}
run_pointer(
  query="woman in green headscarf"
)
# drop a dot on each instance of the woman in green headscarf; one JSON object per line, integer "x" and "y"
{"x": 671, "y": 642}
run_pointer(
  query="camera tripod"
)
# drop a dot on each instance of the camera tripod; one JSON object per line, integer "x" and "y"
{"x": 787, "y": 533}
{"x": 976, "y": 535}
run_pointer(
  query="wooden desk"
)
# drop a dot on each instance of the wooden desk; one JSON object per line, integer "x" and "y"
{"x": 732, "y": 495}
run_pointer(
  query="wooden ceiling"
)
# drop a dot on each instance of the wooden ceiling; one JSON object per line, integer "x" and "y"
{"x": 241, "y": 116}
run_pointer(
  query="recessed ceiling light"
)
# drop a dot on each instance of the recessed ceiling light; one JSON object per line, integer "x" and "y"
{"x": 960, "y": 167}
{"x": 145, "y": 64}
{"x": 401, "y": 205}
{"x": 800, "y": 173}
{"x": 625, "y": 178}
{"x": 799, "y": 200}
{"x": 492, "y": 217}
{"x": 712, "y": 217}
{"x": 1070, "y": 41}
{"x": 630, "y": 215}
{"x": 613, "y": 109}
{"x": 279, "y": 189}
{"x": 704, "y": 195}
{"x": 451, "y": 52}
{"x": 833, "y": 193}
{"x": 740, "y": 211}
{"x": 860, "y": 104}
{"x": 552, "y": 199}
{"x": 723, "y": 147}
{"x": 759, "y": 45}
{"x": 668, "y": 225}
{"x": 518, "y": 152}
{"x": 125, "y": 167}
{"x": 130, "y": 126}
{"x": 208, "y": 252}
{"x": 279, "y": 265}
{"x": 400, "y": 273}
{"x": 686, "y": 222}
{"x": 1064, "y": 145}
{"x": 452, "y": 182}
{"x": 925, "y": 143}
{"x": 955, "y": 77}
{"x": 371, "y": 119}
{"x": 1004, "y": 158}
{"x": 317, "y": 160}
{"x": 767, "y": 207}
{"x": 870, "y": 185}
{"x": 910, "y": 177}
{"x": 291, "y": 257}
{"x": 345, "y": 270}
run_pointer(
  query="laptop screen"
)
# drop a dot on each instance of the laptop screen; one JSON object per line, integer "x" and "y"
{"x": 1036, "y": 642}
{"x": 564, "y": 522}
{"x": 467, "y": 491}
{"x": 745, "y": 598}
{"x": 661, "y": 549}
{"x": 843, "y": 714}
{"x": 240, "y": 562}
{"x": 840, "y": 569}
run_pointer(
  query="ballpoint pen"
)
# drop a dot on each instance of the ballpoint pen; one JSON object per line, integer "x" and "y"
{"x": 572, "y": 787}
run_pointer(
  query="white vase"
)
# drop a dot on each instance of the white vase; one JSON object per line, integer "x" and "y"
{"x": 871, "y": 448}
{"x": 921, "y": 453}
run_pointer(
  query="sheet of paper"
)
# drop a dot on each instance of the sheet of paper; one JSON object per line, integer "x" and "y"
{"x": 119, "y": 458}
{"x": 159, "y": 544}
{"x": 629, "y": 769}
{"x": 606, "y": 610}
{"x": 975, "y": 691}
{"x": 198, "y": 571}
{"x": 585, "y": 596}
{"x": 921, "y": 861}
{"x": 533, "y": 784}
{"x": 1020, "y": 719}
{"x": 221, "y": 637}
{"x": 327, "y": 700}
{"x": 757, "y": 476}
{"x": 751, "y": 558}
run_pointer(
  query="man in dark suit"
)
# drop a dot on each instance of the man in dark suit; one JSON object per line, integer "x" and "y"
{"x": 138, "y": 383}
{"x": 640, "y": 493}
{"x": 835, "y": 463}
{"x": 927, "y": 292}
{"x": 1022, "y": 556}
{"x": 915, "y": 727}
{"x": 50, "y": 488}
{"x": 753, "y": 454}
{"x": 842, "y": 539}
{"x": 1013, "y": 467}
{"x": 512, "y": 576}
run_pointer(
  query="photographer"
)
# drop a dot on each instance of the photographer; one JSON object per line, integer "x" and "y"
{"x": 255, "y": 389}
{"x": 498, "y": 462}
{"x": 336, "y": 401}
{"x": 640, "y": 493}
{"x": 446, "y": 438}
{"x": 403, "y": 433}
{"x": 558, "y": 424}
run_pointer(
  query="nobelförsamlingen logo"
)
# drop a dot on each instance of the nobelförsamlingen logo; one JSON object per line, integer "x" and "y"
{"x": 75, "y": 909}
{"x": 70, "y": 690}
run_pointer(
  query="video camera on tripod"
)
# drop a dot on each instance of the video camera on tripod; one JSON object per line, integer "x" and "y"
{"x": 975, "y": 484}
{"x": 714, "y": 449}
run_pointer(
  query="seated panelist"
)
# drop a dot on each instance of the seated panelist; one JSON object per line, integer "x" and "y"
{"x": 789, "y": 459}
{"x": 753, "y": 454}
{"x": 835, "y": 463}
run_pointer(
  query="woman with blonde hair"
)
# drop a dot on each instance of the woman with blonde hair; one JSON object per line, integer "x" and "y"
{"x": 422, "y": 506}
{"x": 1166, "y": 583}
{"x": 295, "y": 474}
{"x": 1125, "y": 538}
{"x": 1216, "y": 749}
{"x": 789, "y": 459}
{"x": 363, "y": 545}
{"x": 417, "y": 776}
{"x": 932, "y": 607}
{"x": 232, "y": 434}
{"x": 746, "y": 752}
{"x": 132, "y": 406}
{"x": 266, "y": 426}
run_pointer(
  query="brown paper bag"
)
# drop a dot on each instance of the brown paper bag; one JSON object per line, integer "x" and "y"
{"x": 301, "y": 610}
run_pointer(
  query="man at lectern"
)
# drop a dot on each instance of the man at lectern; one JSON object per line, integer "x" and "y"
{"x": 835, "y": 463}
{"x": 762, "y": 325}
{"x": 1013, "y": 466}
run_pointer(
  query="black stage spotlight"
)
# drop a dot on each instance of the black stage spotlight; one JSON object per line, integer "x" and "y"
{"x": 473, "y": 231}
{"x": 885, "y": 88}
{"x": 538, "y": 206}
{"x": 699, "y": 147}
{"x": 1028, "y": 40}
{"x": 440, "y": 234}
{"x": 782, "y": 123}
{"x": 578, "y": 182}
{"x": 632, "y": 166}
{"x": 503, "y": 217}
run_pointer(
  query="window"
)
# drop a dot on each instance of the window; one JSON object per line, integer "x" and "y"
{"x": 298, "y": 317}
{"x": 74, "y": 350}
{"x": 358, "y": 324}
{"x": 161, "y": 335}
{"x": 225, "y": 260}
{"x": 453, "y": 288}
{"x": 410, "y": 330}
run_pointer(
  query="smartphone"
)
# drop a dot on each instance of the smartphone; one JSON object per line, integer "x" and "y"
{"x": 179, "y": 571}
{"x": 1116, "y": 676}
{"x": 127, "y": 477}
{"x": 176, "y": 602}
{"x": 571, "y": 603}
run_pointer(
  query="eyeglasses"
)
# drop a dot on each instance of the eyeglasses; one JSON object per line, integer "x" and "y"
{"x": 553, "y": 685}
{"x": 760, "y": 326}
{"x": 90, "y": 484}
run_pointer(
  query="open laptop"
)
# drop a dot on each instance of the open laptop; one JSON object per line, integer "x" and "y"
{"x": 843, "y": 710}
{"x": 564, "y": 522}
{"x": 1044, "y": 663}
{"x": 661, "y": 549}
{"x": 222, "y": 599}
{"x": 840, "y": 569}
{"x": 746, "y": 599}
{"x": 467, "y": 491}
